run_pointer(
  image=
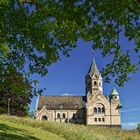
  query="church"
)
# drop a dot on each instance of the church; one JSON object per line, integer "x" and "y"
{"x": 92, "y": 109}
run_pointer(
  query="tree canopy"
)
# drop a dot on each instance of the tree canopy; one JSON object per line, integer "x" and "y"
{"x": 38, "y": 31}
{"x": 18, "y": 91}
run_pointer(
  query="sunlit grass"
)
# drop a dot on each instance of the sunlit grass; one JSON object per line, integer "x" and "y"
{"x": 74, "y": 132}
{"x": 16, "y": 131}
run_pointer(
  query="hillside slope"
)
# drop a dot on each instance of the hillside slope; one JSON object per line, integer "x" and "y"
{"x": 14, "y": 128}
{"x": 17, "y": 131}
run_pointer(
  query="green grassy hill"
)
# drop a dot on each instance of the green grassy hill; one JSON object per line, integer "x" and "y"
{"x": 16, "y": 131}
{"x": 14, "y": 128}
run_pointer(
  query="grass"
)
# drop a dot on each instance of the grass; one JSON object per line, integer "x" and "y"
{"x": 42, "y": 130}
{"x": 17, "y": 131}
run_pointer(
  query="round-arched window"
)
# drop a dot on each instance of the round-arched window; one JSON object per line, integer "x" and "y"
{"x": 99, "y": 108}
{"x": 58, "y": 115}
{"x": 103, "y": 109}
{"x": 44, "y": 118}
{"x": 95, "y": 110}
{"x": 95, "y": 83}
{"x": 64, "y": 116}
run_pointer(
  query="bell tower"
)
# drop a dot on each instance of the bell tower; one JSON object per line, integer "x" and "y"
{"x": 93, "y": 80}
{"x": 115, "y": 107}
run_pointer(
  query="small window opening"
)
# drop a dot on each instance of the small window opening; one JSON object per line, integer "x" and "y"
{"x": 95, "y": 83}
{"x": 58, "y": 115}
{"x": 95, "y": 110}
{"x": 99, "y": 110}
{"x": 95, "y": 119}
{"x": 99, "y": 119}
{"x": 103, "y": 109}
{"x": 64, "y": 116}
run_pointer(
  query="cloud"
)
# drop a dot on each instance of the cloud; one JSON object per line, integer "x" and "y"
{"x": 129, "y": 125}
{"x": 130, "y": 110}
{"x": 70, "y": 94}
{"x": 133, "y": 118}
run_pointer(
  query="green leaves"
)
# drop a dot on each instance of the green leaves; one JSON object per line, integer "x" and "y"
{"x": 16, "y": 87}
{"x": 119, "y": 69}
{"x": 4, "y": 50}
{"x": 119, "y": 106}
{"x": 35, "y": 82}
{"x": 38, "y": 32}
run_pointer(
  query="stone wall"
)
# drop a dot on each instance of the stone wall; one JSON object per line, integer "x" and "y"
{"x": 68, "y": 116}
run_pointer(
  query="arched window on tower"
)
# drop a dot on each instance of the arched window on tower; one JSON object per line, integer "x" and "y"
{"x": 95, "y": 83}
{"x": 95, "y": 110}
{"x": 99, "y": 83}
{"x": 99, "y": 110}
{"x": 103, "y": 109}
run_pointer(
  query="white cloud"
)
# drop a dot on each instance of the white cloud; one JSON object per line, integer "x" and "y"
{"x": 130, "y": 110}
{"x": 133, "y": 118}
{"x": 129, "y": 125}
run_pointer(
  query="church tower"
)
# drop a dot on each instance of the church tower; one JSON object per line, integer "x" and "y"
{"x": 93, "y": 80}
{"x": 100, "y": 110}
{"x": 115, "y": 107}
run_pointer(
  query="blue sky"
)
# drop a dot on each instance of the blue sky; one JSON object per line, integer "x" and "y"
{"x": 67, "y": 76}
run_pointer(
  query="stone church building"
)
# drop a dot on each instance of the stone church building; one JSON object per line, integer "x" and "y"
{"x": 92, "y": 109}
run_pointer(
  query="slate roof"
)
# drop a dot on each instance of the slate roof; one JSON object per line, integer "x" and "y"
{"x": 93, "y": 69}
{"x": 67, "y": 102}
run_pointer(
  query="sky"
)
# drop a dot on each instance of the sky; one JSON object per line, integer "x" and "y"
{"x": 67, "y": 77}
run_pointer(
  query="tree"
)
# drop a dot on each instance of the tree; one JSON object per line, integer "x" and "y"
{"x": 37, "y": 31}
{"x": 18, "y": 91}
{"x": 138, "y": 128}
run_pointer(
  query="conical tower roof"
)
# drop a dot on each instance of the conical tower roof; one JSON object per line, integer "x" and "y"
{"x": 114, "y": 92}
{"x": 93, "y": 69}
